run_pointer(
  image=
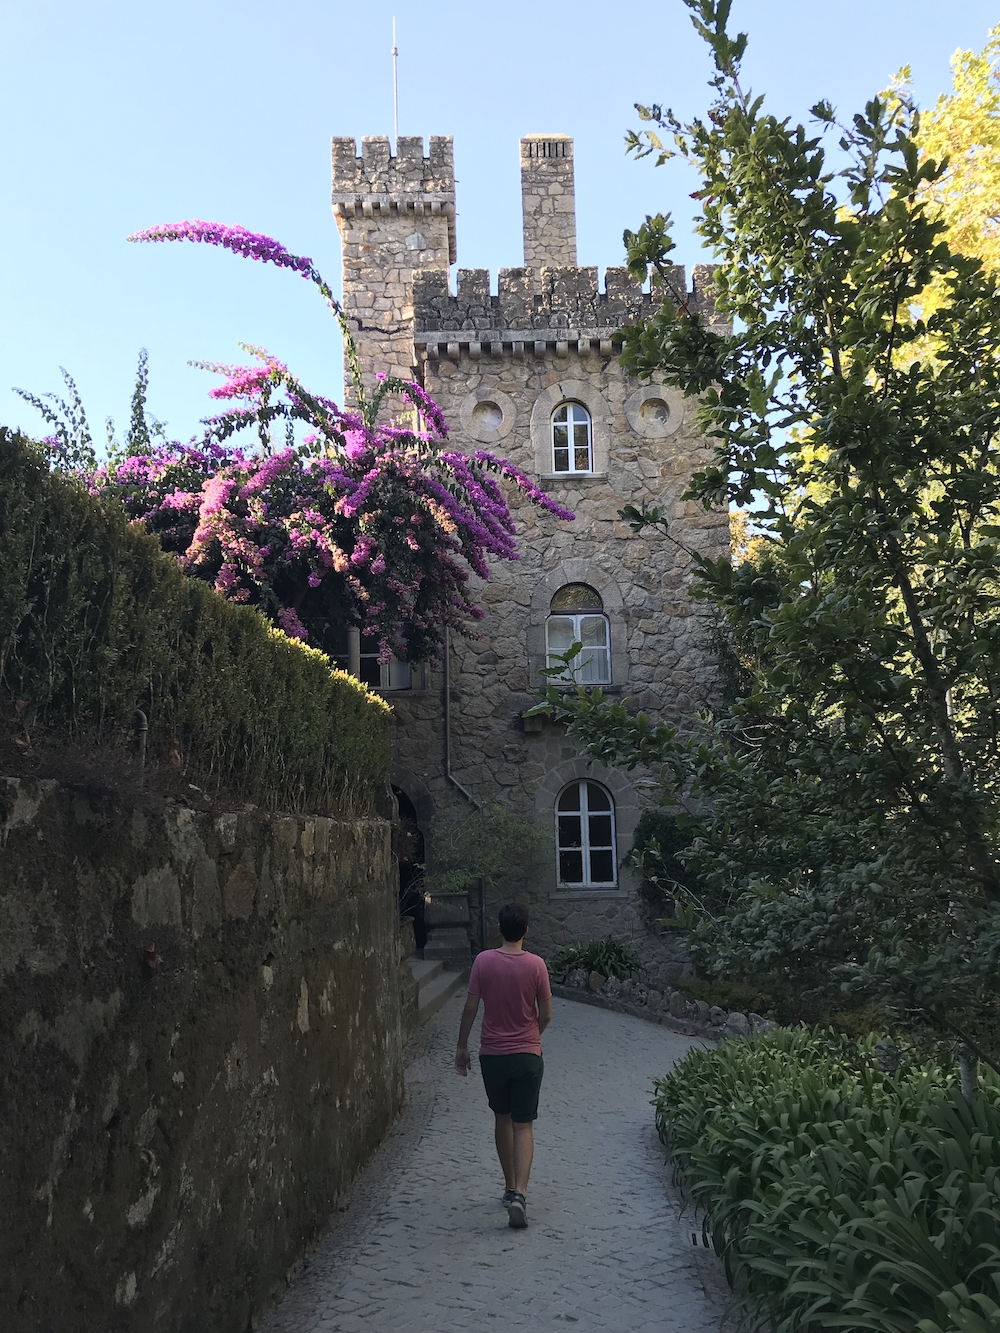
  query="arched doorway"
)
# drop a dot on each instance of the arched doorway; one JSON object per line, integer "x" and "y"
{"x": 408, "y": 848}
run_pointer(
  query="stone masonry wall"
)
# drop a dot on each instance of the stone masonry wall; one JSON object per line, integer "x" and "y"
{"x": 547, "y": 202}
{"x": 200, "y": 1048}
{"x": 551, "y": 301}
{"x": 661, "y": 640}
{"x": 499, "y": 366}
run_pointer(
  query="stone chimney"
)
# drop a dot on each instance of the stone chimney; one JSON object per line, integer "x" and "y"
{"x": 548, "y": 201}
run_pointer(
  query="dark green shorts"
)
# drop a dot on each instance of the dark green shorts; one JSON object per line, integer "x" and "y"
{"x": 512, "y": 1084}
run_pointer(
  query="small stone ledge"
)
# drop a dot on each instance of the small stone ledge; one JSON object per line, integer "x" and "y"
{"x": 714, "y": 1027}
{"x": 573, "y": 477}
{"x": 643, "y": 1011}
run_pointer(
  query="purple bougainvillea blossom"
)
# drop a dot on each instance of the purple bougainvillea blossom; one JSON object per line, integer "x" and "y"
{"x": 290, "y": 623}
{"x": 368, "y": 523}
{"x": 249, "y": 244}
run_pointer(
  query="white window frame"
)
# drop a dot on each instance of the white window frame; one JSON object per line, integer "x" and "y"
{"x": 393, "y": 675}
{"x": 586, "y": 848}
{"x": 574, "y": 673}
{"x": 572, "y": 424}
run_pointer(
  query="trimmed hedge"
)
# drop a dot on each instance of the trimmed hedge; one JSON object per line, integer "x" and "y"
{"x": 96, "y": 622}
{"x": 841, "y": 1196}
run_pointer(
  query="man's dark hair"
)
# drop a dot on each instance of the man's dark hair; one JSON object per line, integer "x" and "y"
{"x": 513, "y": 921}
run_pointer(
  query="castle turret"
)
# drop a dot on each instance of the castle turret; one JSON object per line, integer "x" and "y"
{"x": 531, "y": 370}
{"x": 548, "y": 201}
{"x": 396, "y": 217}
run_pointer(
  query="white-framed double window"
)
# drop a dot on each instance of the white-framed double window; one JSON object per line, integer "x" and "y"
{"x": 357, "y": 654}
{"x": 391, "y": 675}
{"x": 585, "y": 837}
{"x": 576, "y": 615}
{"x": 572, "y": 439}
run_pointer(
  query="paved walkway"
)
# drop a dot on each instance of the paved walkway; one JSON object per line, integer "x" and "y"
{"x": 424, "y": 1245}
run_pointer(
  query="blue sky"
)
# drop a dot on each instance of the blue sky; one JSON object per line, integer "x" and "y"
{"x": 119, "y": 115}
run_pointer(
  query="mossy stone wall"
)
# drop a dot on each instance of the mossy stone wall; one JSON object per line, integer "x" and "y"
{"x": 200, "y": 1048}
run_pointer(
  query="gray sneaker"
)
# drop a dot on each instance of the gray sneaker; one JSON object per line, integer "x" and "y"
{"x": 517, "y": 1213}
{"x": 507, "y": 1196}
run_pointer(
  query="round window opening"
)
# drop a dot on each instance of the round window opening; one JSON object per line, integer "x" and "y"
{"x": 655, "y": 411}
{"x": 487, "y": 416}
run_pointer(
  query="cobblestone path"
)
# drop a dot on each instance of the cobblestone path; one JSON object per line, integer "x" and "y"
{"x": 424, "y": 1245}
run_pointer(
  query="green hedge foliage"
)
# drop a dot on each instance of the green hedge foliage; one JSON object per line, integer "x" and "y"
{"x": 96, "y": 622}
{"x": 840, "y": 1196}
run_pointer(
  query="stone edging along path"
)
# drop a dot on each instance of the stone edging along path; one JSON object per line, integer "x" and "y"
{"x": 673, "y": 1010}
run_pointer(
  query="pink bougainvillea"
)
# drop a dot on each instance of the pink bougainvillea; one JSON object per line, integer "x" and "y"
{"x": 366, "y": 522}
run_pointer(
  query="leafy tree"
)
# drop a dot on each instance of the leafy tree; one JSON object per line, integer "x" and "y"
{"x": 963, "y": 131}
{"x": 667, "y": 888}
{"x": 489, "y": 844}
{"x": 852, "y": 794}
{"x": 71, "y": 444}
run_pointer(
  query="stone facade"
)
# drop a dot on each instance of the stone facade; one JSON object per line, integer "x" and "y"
{"x": 500, "y": 366}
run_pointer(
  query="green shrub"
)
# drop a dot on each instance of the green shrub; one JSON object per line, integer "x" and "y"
{"x": 667, "y": 888}
{"x": 610, "y": 957}
{"x": 839, "y": 1195}
{"x": 745, "y": 997}
{"x": 96, "y": 622}
{"x": 488, "y": 844}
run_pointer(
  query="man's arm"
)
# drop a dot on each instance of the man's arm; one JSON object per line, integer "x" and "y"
{"x": 463, "y": 1061}
{"x": 544, "y": 1013}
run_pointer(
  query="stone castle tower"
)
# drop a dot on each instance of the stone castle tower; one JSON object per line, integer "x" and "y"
{"x": 532, "y": 373}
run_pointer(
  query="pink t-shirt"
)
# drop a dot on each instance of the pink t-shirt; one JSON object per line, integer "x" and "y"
{"x": 510, "y": 985}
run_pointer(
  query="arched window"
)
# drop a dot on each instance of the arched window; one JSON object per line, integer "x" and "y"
{"x": 585, "y": 836}
{"x": 577, "y": 616}
{"x": 572, "y": 443}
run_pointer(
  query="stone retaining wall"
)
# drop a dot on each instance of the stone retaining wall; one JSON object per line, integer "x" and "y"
{"x": 200, "y": 1048}
{"x": 669, "y": 1008}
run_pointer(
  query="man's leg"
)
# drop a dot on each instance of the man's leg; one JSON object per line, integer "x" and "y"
{"x": 504, "y": 1134}
{"x": 523, "y": 1151}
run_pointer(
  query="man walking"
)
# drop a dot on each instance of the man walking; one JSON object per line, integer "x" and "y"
{"x": 517, "y": 999}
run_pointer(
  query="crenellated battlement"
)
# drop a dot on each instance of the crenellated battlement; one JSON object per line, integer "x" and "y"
{"x": 396, "y": 215}
{"x": 375, "y": 183}
{"x": 538, "y": 309}
{"x": 376, "y": 176}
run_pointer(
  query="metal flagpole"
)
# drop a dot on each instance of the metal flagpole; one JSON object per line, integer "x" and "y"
{"x": 395, "y": 94}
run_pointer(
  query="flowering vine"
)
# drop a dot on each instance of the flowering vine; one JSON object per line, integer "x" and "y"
{"x": 370, "y": 523}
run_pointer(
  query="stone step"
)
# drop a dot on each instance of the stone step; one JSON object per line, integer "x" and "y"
{"x": 450, "y": 945}
{"x": 424, "y": 969}
{"x": 437, "y": 992}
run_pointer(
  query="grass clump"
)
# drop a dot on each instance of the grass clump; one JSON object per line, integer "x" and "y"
{"x": 610, "y": 957}
{"x": 841, "y": 1196}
